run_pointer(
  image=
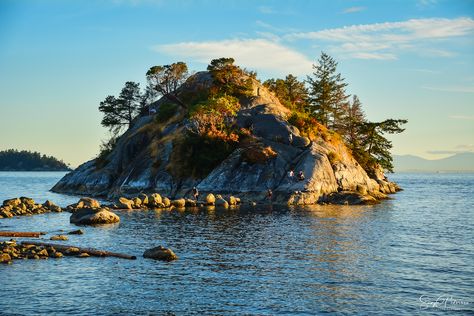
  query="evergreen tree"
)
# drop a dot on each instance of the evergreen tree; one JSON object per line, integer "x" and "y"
{"x": 327, "y": 96}
{"x": 375, "y": 148}
{"x": 120, "y": 112}
{"x": 291, "y": 92}
{"x": 353, "y": 118}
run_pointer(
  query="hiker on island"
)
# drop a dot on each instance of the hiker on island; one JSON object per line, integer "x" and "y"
{"x": 291, "y": 175}
{"x": 195, "y": 193}
{"x": 301, "y": 175}
{"x": 269, "y": 194}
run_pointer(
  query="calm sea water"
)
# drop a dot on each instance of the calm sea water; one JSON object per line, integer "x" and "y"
{"x": 410, "y": 255}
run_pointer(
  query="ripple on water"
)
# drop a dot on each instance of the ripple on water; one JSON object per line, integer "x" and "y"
{"x": 266, "y": 261}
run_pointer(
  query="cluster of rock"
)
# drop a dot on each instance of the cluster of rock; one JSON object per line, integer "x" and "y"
{"x": 155, "y": 200}
{"x": 26, "y": 206}
{"x": 88, "y": 211}
{"x": 10, "y": 250}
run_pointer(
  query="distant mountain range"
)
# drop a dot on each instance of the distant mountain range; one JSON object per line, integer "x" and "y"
{"x": 462, "y": 162}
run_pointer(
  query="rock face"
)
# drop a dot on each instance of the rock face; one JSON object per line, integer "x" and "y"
{"x": 141, "y": 160}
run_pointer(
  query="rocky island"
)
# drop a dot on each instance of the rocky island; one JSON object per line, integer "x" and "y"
{"x": 222, "y": 131}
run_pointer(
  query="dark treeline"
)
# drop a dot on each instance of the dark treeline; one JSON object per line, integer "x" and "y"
{"x": 24, "y": 160}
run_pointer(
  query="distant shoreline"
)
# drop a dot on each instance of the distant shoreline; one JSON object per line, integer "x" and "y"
{"x": 35, "y": 170}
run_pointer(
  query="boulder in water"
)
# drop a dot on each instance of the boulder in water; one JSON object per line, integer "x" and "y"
{"x": 160, "y": 253}
{"x": 87, "y": 216}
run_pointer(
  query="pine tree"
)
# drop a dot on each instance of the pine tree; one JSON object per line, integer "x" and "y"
{"x": 327, "y": 96}
{"x": 353, "y": 119}
{"x": 120, "y": 112}
{"x": 375, "y": 148}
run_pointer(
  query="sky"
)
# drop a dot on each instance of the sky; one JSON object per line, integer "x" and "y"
{"x": 411, "y": 60}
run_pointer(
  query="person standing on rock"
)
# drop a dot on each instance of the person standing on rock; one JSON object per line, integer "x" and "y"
{"x": 269, "y": 194}
{"x": 195, "y": 193}
{"x": 301, "y": 175}
{"x": 291, "y": 175}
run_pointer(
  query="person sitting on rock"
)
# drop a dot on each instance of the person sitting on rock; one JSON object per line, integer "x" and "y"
{"x": 195, "y": 193}
{"x": 301, "y": 175}
{"x": 269, "y": 194}
{"x": 291, "y": 175}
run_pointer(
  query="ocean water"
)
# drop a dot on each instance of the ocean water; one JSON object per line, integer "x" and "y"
{"x": 413, "y": 254}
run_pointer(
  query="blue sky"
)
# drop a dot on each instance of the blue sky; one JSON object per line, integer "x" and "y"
{"x": 404, "y": 59}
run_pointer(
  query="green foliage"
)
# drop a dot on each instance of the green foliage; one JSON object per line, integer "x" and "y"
{"x": 229, "y": 78}
{"x": 306, "y": 124}
{"x": 166, "y": 80}
{"x": 120, "y": 112}
{"x": 327, "y": 92}
{"x": 165, "y": 112}
{"x": 106, "y": 148}
{"x": 375, "y": 145}
{"x": 215, "y": 118}
{"x": 255, "y": 152}
{"x": 196, "y": 156}
{"x": 291, "y": 92}
{"x": 14, "y": 160}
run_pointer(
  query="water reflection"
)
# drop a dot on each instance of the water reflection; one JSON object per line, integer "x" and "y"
{"x": 262, "y": 260}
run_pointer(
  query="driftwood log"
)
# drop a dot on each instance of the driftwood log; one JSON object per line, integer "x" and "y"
{"x": 21, "y": 234}
{"x": 90, "y": 251}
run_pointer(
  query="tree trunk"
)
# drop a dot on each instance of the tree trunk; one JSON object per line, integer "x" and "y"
{"x": 90, "y": 251}
{"x": 21, "y": 234}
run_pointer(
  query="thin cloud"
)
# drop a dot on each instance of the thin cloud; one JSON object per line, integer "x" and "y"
{"x": 353, "y": 10}
{"x": 372, "y": 40}
{"x": 266, "y": 9}
{"x": 260, "y": 54}
{"x": 377, "y": 56}
{"x": 456, "y": 89}
{"x": 462, "y": 117}
{"x": 445, "y": 152}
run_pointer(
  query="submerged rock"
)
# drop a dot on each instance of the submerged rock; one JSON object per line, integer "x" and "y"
{"x": 76, "y": 232}
{"x": 124, "y": 203}
{"x": 59, "y": 237}
{"x": 160, "y": 253}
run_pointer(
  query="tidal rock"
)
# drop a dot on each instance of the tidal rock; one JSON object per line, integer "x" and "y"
{"x": 76, "y": 232}
{"x": 137, "y": 203}
{"x": 179, "y": 203}
{"x": 5, "y": 258}
{"x": 160, "y": 253}
{"x": 210, "y": 199}
{"x": 59, "y": 237}
{"x": 12, "y": 202}
{"x": 220, "y": 202}
{"x": 124, "y": 203}
{"x": 232, "y": 200}
{"x": 87, "y": 202}
{"x": 166, "y": 202}
{"x": 154, "y": 200}
{"x": 87, "y": 216}
{"x": 143, "y": 198}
